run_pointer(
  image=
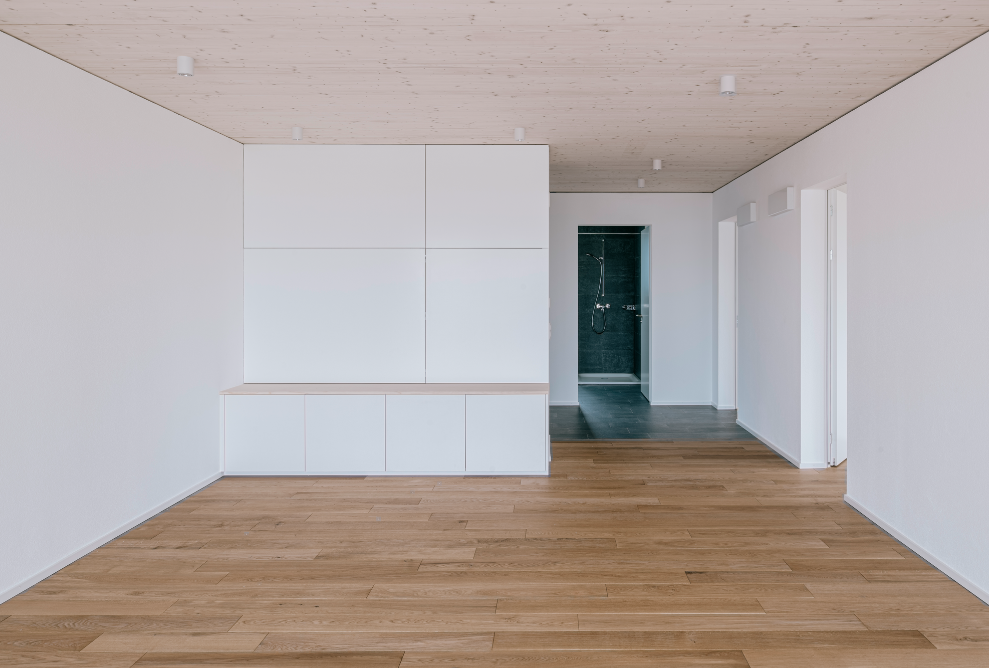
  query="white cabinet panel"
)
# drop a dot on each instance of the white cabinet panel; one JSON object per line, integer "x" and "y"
{"x": 487, "y": 196}
{"x": 345, "y": 434}
{"x": 264, "y": 434}
{"x": 506, "y": 433}
{"x": 334, "y": 316}
{"x": 425, "y": 433}
{"x": 334, "y": 196}
{"x": 487, "y": 317}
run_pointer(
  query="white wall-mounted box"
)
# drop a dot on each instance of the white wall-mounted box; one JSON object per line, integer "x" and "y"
{"x": 425, "y": 433}
{"x": 782, "y": 201}
{"x": 334, "y": 316}
{"x": 369, "y": 196}
{"x": 264, "y": 434}
{"x": 345, "y": 433}
{"x": 746, "y": 214}
{"x": 506, "y": 432}
{"x": 487, "y": 317}
{"x": 490, "y": 196}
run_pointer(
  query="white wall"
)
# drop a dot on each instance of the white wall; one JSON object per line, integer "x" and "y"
{"x": 681, "y": 280}
{"x": 724, "y": 315}
{"x": 120, "y": 294}
{"x": 918, "y": 306}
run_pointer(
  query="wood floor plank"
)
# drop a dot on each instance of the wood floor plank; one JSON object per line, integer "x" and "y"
{"x": 865, "y": 658}
{"x": 433, "y": 641}
{"x": 175, "y": 642}
{"x": 666, "y": 605}
{"x": 272, "y": 659}
{"x": 719, "y": 622}
{"x": 623, "y": 659}
{"x": 46, "y": 641}
{"x": 712, "y": 640}
{"x": 19, "y": 606}
{"x": 65, "y": 659}
{"x": 436, "y": 621}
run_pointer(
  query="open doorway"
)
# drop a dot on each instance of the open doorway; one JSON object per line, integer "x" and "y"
{"x": 613, "y": 305}
{"x": 837, "y": 374}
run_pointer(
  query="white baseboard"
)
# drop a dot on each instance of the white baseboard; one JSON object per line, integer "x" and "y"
{"x": 564, "y": 403}
{"x": 680, "y": 403}
{"x": 726, "y": 407}
{"x": 50, "y": 570}
{"x": 389, "y": 474}
{"x": 927, "y": 556}
{"x": 778, "y": 450}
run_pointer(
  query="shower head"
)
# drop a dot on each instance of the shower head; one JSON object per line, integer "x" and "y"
{"x": 599, "y": 259}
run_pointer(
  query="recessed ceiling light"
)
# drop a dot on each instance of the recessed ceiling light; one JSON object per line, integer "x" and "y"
{"x": 657, "y": 163}
{"x": 297, "y": 134}
{"x": 519, "y": 134}
{"x": 728, "y": 85}
{"x": 642, "y": 183}
{"x": 185, "y": 66}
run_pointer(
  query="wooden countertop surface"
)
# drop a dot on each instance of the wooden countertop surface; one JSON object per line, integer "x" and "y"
{"x": 389, "y": 388}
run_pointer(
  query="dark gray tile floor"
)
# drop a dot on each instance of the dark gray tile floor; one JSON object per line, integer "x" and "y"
{"x": 620, "y": 411}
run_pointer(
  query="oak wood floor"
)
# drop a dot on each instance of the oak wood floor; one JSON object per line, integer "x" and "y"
{"x": 631, "y": 554}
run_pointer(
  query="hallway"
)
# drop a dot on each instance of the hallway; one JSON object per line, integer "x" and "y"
{"x": 644, "y": 554}
{"x": 621, "y": 412}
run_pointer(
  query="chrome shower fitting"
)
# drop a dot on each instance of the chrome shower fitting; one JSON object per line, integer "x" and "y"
{"x": 600, "y": 293}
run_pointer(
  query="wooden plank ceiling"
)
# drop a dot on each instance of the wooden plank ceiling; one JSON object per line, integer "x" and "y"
{"x": 609, "y": 85}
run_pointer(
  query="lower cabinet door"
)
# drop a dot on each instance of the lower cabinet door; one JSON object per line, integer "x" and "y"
{"x": 506, "y": 433}
{"x": 425, "y": 433}
{"x": 264, "y": 434}
{"x": 345, "y": 434}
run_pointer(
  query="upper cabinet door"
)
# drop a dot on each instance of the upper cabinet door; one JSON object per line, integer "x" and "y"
{"x": 334, "y": 196}
{"x": 487, "y": 315}
{"x": 334, "y": 316}
{"x": 490, "y": 196}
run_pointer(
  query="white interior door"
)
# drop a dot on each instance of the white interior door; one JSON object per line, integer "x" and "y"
{"x": 643, "y": 316}
{"x": 837, "y": 393}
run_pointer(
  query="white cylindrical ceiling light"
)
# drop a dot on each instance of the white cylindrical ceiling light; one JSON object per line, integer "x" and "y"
{"x": 728, "y": 85}
{"x": 642, "y": 183}
{"x": 519, "y": 134}
{"x": 657, "y": 164}
{"x": 185, "y": 66}
{"x": 297, "y": 134}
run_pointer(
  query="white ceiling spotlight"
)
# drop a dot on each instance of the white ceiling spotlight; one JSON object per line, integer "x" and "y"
{"x": 185, "y": 66}
{"x": 657, "y": 164}
{"x": 519, "y": 134}
{"x": 296, "y": 134}
{"x": 728, "y": 85}
{"x": 642, "y": 183}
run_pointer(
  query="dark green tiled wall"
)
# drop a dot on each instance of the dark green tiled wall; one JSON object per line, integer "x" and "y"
{"x": 617, "y": 350}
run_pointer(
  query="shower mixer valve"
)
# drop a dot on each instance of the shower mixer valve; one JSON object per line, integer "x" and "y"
{"x": 602, "y": 307}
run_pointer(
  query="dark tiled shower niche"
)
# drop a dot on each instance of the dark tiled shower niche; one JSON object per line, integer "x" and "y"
{"x": 616, "y": 351}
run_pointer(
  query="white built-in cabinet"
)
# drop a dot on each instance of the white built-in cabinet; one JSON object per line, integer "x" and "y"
{"x": 334, "y": 316}
{"x": 487, "y": 316}
{"x": 333, "y": 434}
{"x": 334, "y": 196}
{"x": 393, "y": 265}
